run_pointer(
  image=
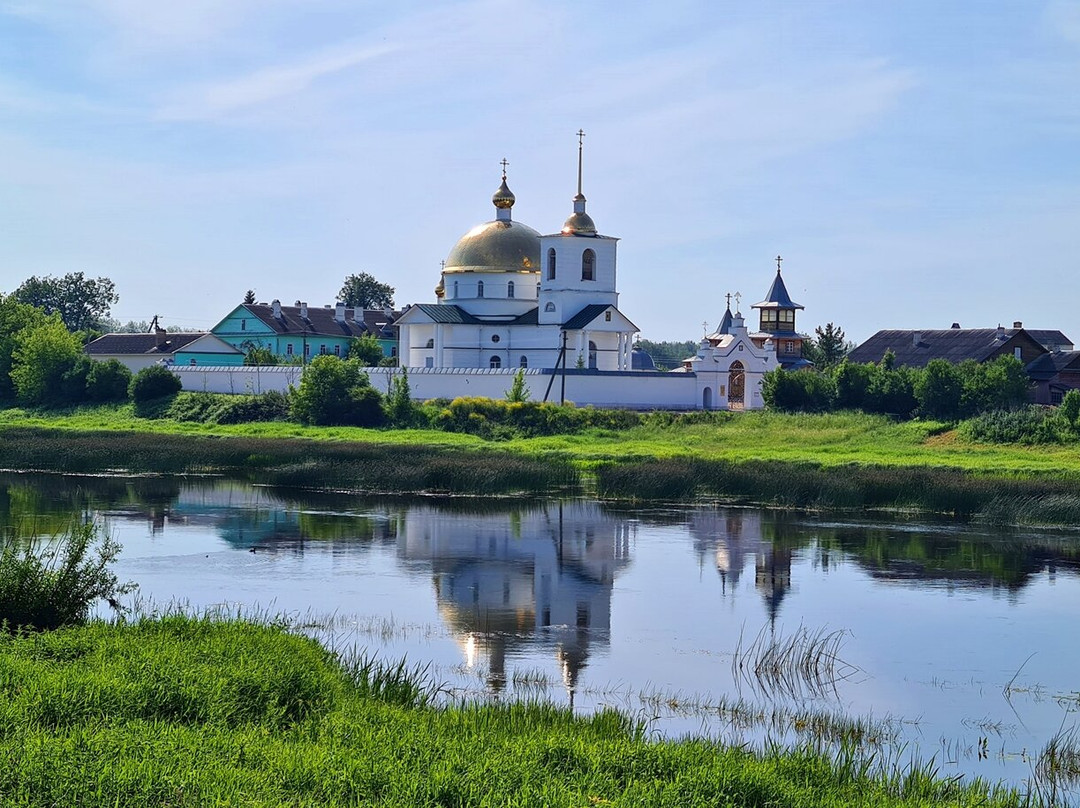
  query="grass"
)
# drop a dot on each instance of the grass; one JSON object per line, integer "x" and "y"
{"x": 193, "y": 711}
{"x": 799, "y": 665}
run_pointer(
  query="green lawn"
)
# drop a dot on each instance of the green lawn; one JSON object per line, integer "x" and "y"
{"x": 178, "y": 711}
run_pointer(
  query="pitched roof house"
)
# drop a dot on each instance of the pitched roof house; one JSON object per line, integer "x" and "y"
{"x": 915, "y": 348}
{"x": 138, "y": 351}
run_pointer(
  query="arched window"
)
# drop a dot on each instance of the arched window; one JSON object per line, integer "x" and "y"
{"x": 479, "y": 288}
{"x": 588, "y": 266}
{"x": 510, "y": 289}
{"x": 495, "y": 362}
{"x": 430, "y": 343}
{"x": 592, "y": 355}
{"x": 537, "y": 291}
{"x": 551, "y": 264}
{"x": 549, "y": 307}
{"x": 524, "y": 361}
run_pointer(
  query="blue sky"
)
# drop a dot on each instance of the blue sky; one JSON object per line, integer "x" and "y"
{"x": 915, "y": 163}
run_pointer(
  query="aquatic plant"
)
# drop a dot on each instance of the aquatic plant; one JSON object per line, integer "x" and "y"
{"x": 800, "y": 664}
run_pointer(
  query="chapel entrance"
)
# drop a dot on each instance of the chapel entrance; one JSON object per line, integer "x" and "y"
{"x": 736, "y": 385}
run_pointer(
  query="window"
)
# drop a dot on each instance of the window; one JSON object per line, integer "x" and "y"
{"x": 479, "y": 288}
{"x": 524, "y": 363}
{"x": 607, "y": 316}
{"x": 322, "y": 350}
{"x": 787, "y": 316}
{"x": 549, "y": 307}
{"x": 243, "y": 325}
{"x": 494, "y": 337}
{"x": 337, "y": 350}
{"x": 288, "y": 349}
{"x": 537, "y": 291}
{"x": 1017, "y": 353}
{"x": 789, "y": 347}
{"x": 551, "y": 264}
{"x": 429, "y": 362}
{"x": 510, "y": 289}
{"x": 192, "y": 363}
{"x": 588, "y": 266}
{"x": 455, "y": 288}
{"x": 495, "y": 362}
{"x": 430, "y": 343}
{"x": 307, "y": 350}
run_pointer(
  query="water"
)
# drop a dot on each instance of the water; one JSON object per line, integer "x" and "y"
{"x": 957, "y": 640}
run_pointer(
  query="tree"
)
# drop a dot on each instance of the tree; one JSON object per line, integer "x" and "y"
{"x": 797, "y": 391}
{"x": 399, "y": 404}
{"x": 518, "y": 391}
{"x": 258, "y": 354}
{"x": 337, "y": 392}
{"x": 14, "y": 318}
{"x": 40, "y": 358}
{"x": 366, "y": 350}
{"x": 852, "y": 384}
{"x": 364, "y": 291}
{"x": 107, "y": 381}
{"x": 831, "y": 345}
{"x": 249, "y": 297}
{"x": 82, "y": 303}
{"x": 154, "y": 382}
{"x": 939, "y": 389}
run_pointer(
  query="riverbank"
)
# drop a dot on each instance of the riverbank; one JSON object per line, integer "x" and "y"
{"x": 183, "y": 711}
{"x": 804, "y": 461}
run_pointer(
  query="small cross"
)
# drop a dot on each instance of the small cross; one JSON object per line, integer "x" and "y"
{"x": 504, "y": 164}
{"x": 580, "y": 135}
{"x": 778, "y": 260}
{"x": 738, "y": 297}
{"x": 443, "y": 263}
{"x": 728, "y": 296}
{"x": 704, "y": 326}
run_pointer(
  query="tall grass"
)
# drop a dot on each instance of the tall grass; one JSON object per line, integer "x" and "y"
{"x": 48, "y": 583}
{"x": 186, "y": 711}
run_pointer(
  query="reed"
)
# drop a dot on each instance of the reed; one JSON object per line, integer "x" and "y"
{"x": 798, "y": 665}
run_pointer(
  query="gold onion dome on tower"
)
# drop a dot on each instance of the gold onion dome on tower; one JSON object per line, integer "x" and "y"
{"x": 504, "y": 197}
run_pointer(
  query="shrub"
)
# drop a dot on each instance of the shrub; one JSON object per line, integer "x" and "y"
{"x": 518, "y": 390}
{"x": 366, "y": 350}
{"x": 400, "y": 408}
{"x": 939, "y": 390}
{"x": 797, "y": 391}
{"x": 1070, "y": 408}
{"x": 1026, "y": 425}
{"x": 107, "y": 381}
{"x": 220, "y": 408}
{"x": 154, "y": 382}
{"x": 852, "y": 384}
{"x": 500, "y": 419}
{"x": 51, "y": 583}
{"x": 336, "y": 392}
{"x": 41, "y": 356}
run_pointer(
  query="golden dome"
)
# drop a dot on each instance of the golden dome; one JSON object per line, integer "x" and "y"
{"x": 502, "y": 245}
{"x": 504, "y": 197}
{"x": 579, "y": 223}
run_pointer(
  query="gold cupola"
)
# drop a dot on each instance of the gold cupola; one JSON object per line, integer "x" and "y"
{"x": 580, "y": 223}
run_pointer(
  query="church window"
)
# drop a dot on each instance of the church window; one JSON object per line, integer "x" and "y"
{"x": 537, "y": 291}
{"x": 592, "y": 355}
{"x": 429, "y": 361}
{"x": 495, "y": 362}
{"x": 551, "y": 264}
{"x": 549, "y": 307}
{"x": 524, "y": 361}
{"x": 588, "y": 266}
{"x": 510, "y": 289}
{"x": 455, "y": 288}
{"x": 479, "y": 288}
{"x": 430, "y": 343}
{"x": 494, "y": 337}
{"x": 607, "y": 316}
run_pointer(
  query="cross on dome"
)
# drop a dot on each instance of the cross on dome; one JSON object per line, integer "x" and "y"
{"x": 504, "y": 163}
{"x": 778, "y": 261}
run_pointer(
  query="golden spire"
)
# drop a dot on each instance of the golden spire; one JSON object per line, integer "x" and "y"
{"x": 579, "y": 223}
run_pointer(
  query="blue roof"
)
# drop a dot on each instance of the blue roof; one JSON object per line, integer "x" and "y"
{"x": 725, "y": 323}
{"x": 585, "y": 316}
{"x": 446, "y": 313}
{"x": 777, "y": 296}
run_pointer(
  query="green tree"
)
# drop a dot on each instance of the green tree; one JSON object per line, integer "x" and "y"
{"x": 336, "y": 391}
{"x": 518, "y": 391}
{"x": 797, "y": 391}
{"x": 939, "y": 390}
{"x": 249, "y": 297}
{"x": 152, "y": 383}
{"x": 998, "y": 385}
{"x": 364, "y": 291}
{"x": 107, "y": 381}
{"x": 259, "y": 354}
{"x": 400, "y": 407}
{"x": 14, "y": 318}
{"x": 852, "y": 384}
{"x": 82, "y": 303}
{"x": 831, "y": 345}
{"x": 366, "y": 350}
{"x": 1070, "y": 408}
{"x": 41, "y": 356}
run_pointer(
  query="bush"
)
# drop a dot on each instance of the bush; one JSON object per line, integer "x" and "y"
{"x": 400, "y": 408}
{"x": 1070, "y": 408}
{"x": 366, "y": 350}
{"x": 41, "y": 356}
{"x": 797, "y": 391}
{"x": 939, "y": 390}
{"x": 500, "y": 419}
{"x": 107, "y": 381}
{"x": 154, "y": 382}
{"x": 220, "y": 408}
{"x": 336, "y": 392}
{"x": 46, "y": 584}
{"x": 1026, "y": 425}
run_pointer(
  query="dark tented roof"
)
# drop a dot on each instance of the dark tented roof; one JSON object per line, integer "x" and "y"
{"x": 585, "y": 316}
{"x": 953, "y": 344}
{"x": 641, "y": 360}
{"x": 133, "y": 344}
{"x": 777, "y": 296}
{"x": 322, "y": 321}
{"x": 725, "y": 323}
{"x": 1051, "y": 340}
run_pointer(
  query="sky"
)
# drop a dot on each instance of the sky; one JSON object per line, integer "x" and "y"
{"x": 916, "y": 164}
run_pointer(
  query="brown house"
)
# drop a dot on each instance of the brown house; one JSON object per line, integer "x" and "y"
{"x": 916, "y": 348}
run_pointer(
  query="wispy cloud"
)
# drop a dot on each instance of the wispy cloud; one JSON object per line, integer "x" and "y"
{"x": 219, "y": 99}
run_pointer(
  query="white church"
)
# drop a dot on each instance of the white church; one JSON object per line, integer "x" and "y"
{"x": 511, "y": 300}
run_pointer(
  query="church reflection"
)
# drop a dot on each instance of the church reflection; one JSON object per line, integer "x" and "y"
{"x": 505, "y": 583}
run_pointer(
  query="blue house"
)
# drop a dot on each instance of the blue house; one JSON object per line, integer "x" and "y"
{"x": 299, "y": 332}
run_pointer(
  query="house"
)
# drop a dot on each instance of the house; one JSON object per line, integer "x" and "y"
{"x": 1054, "y": 375}
{"x": 916, "y": 348}
{"x": 138, "y": 351}
{"x": 299, "y": 332}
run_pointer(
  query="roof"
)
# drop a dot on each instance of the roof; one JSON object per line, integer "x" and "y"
{"x": 138, "y": 344}
{"x": 1051, "y": 340}
{"x": 952, "y": 344}
{"x": 641, "y": 360}
{"x": 585, "y": 316}
{"x": 446, "y": 313}
{"x": 321, "y": 321}
{"x": 1050, "y": 364}
{"x": 777, "y": 297}
{"x": 725, "y": 323}
{"x": 501, "y": 244}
